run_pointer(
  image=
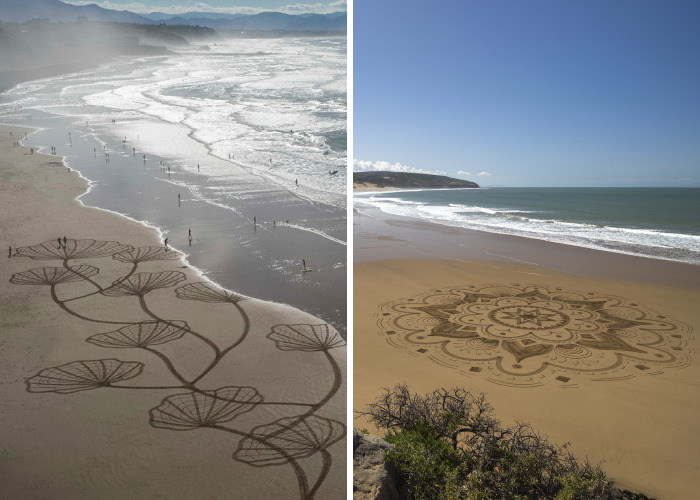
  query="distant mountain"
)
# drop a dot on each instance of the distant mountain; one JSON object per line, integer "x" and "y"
{"x": 162, "y": 16}
{"x": 265, "y": 21}
{"x": 404, "y": 180}
{"x": 20, "y": 11}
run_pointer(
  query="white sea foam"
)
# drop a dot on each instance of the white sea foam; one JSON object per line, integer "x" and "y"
{"x": 645, "y": 242}
{"x": 241, "y": 104}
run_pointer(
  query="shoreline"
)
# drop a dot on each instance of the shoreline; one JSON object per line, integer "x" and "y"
{"x": 476, "y": 244}
{"x": 90, "y": 184}
{"x": 227, "y": 246}
{"x": 82, "y": 439}
{"x": 267, "y": 263}
{"x": 641, "y": 423}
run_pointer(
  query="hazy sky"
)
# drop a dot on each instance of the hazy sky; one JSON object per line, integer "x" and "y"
{"x": 230, "y": 6}
{"x": 530, "y": 92}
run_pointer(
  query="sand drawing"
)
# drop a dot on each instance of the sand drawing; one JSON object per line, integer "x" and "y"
{"x": 191, "y": 406}
{"x": 529, "y": 335}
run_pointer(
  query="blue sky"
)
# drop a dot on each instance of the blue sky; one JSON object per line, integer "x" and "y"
{"x": 530, "y": 92}
{"x": 229, "y": 6}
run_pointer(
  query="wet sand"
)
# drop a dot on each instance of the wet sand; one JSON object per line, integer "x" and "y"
{"x": 262, "y": 260}
{"x": 124, "y": 374}
{"x": 639, "y": 414}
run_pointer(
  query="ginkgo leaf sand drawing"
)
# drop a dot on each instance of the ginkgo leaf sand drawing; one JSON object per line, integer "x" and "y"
{"x": 191, "y": 405}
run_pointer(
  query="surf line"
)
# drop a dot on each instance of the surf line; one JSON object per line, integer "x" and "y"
{"x": 315, "y": 231}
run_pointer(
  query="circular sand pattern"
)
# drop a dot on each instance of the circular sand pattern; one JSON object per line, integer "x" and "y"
{"x": 528, "y": 335}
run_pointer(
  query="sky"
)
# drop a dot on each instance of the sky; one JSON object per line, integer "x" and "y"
{"x": 226, "y": 6}
{"x": 529, "y": 92}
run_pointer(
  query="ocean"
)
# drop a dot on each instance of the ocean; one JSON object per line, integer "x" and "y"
{"x": 660, "y": 223}
{"x": 243, "y": 141}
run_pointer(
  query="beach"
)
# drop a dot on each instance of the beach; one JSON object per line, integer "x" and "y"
{"x": 592, "y": 348}
{"x": 112, "y": 342}
{"x": 231, "y": 142}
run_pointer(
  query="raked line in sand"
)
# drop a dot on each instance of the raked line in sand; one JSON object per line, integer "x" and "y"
{"x": 123, "y": 374}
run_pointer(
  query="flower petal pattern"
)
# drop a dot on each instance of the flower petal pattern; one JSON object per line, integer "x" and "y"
{"x": 143, "y": 254}
{"x": 305, "y": 337}
{"x": 286, "y": 438}
{"x": 184, "y": 412}
{"x": 83, "y": 375}
{"x": 53, "y": 275}
{"x": 74, "y": 249}
{"x": 141, "y": 334}
{"x": 142, "y": 283}
{"x": 206, "y": 292}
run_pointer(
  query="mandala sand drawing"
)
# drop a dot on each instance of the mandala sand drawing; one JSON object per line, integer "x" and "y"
{"x": 528, "y": 335}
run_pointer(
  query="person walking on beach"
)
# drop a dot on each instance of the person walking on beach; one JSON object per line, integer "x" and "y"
{"x": 165, "y": 242}
{"x": 189, "y": 232}
{"x": 178, "y": 199}
{"x": 10, "y": 254}
{"x": 65, "y": 242}
{"x": 59, "y": 243}
{"x": 296, "y": 181}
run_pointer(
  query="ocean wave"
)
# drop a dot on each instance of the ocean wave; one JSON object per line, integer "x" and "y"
{"x": 629, "y": 240}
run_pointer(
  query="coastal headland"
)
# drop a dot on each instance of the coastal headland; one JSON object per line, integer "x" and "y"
{"x": 381, "y": 180}
{"x": 592, "y": 348}
{"x": 126, "y": 374}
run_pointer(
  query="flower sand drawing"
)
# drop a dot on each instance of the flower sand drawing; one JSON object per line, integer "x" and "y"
{"x": 191, "y": 404}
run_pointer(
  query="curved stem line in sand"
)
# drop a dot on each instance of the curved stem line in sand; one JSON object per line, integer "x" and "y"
{"x": 314, "y": 408}
{"x": 144, "y": 307}
{"x": 123, "y": 278}
{"x": 337, "y": 379}
{"x": 327, "y": 462}
{"x": 78, "y": 315}
{"x": 86, "y": 278}
{"x": 170, "y": 366}
{"x": 210, "y": 394}
{"x": 151, "y": 387}
{"x": 298, "y": 471}
{"x": 246, "y": 330}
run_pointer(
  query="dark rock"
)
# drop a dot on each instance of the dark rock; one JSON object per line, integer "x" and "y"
{"x": 371, "y": 479}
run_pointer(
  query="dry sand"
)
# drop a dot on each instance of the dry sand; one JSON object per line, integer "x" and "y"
{"x": 70, "y": 433}
{"x": 636, "y": 411}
